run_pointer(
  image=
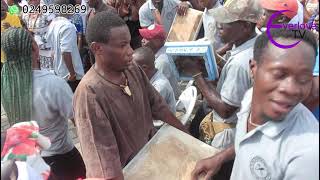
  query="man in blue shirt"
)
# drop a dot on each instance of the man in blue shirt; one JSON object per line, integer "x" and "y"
{"x": 316, "y": 80}
{"x": 312, "y": 102}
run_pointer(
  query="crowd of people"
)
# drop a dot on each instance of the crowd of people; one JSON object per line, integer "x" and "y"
{"x": 106, "y": 70}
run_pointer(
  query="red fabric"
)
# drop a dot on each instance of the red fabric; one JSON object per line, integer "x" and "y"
{"x": 20, "y": 138}
{"x": 157, "y": 32}
{"x": 278, "y": 5}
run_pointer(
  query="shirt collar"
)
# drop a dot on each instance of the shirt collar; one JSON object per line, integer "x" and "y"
{"x": 242, "y": 47}
{"x": 215, "y": 6}
{"x": 154, "y": 77}
{"x": 160, "y": 51}
{"x": 270, "y": 128}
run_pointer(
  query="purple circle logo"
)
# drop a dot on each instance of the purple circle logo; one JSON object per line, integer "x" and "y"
{"x": 278, "y": 26}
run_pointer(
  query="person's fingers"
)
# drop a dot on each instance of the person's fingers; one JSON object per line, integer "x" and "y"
{"x": 198, "y": 169}
{"x": 208, "y": 175}
{"x": 179, "y": 11}
{"x": 118, "y": 3}
{"x": 194, "y": 174}
{"x": 185, "y": 9}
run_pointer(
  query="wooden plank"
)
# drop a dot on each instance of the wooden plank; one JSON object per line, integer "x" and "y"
{"x": 185, "y": 28}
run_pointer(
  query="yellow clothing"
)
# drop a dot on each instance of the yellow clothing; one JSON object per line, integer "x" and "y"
{"x": 14, "y": 21}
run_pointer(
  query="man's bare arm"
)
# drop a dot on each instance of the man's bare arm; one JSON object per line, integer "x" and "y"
{"x": 214, "y": 99}
{"x": 67, "y": 58}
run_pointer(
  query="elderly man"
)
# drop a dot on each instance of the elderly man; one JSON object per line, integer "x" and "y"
{"x": 236, "y": 24}
{"x": 115, "y": 103}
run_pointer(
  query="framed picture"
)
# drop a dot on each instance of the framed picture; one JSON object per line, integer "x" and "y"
{"x": 203, "y": 50}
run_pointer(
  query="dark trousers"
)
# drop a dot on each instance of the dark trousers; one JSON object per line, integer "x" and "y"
{"x": 136, "y": 38}
{"x": 68, "y": 166}
{"x": 73, "y": 84}
{"x": 199, "y": 116}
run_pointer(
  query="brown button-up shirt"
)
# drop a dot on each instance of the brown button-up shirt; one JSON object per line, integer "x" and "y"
{"x": 112, "y": 126}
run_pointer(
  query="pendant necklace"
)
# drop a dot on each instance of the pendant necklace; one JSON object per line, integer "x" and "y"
{"x": 125, "y": 88}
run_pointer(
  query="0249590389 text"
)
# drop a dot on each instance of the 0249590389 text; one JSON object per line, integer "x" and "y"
{"x": 54, "y": 8}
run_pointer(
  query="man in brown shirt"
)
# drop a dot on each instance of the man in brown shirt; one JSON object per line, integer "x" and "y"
{"x": 115, "y": 103}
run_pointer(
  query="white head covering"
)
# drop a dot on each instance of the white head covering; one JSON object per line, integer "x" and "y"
{"x": 299, "y": 17}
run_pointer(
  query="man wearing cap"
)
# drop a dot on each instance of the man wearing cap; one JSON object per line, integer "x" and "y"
{"x": 237, "y": 20}
{"x": 154, "y": 37}
{"x": 161, "y": 12}
{"x": 272, "y": 6}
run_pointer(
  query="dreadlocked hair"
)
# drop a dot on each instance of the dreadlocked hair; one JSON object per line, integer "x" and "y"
{"x": 16, "y": 75}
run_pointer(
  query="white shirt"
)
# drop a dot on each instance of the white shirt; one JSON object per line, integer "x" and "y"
{"x": 234, "y": 81}
{"x": 62, "y": 35}
{"x": 52, "y": 107}
{"x": 39, "y": 26}
{"x": 168, "y": 12}
{"x": 166, "y": 66}
{"x": 162, "y": 85}
{"x": 285, "y": 150}
{"x": 84, "y": 15}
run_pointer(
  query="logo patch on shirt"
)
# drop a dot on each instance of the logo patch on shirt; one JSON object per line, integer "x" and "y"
{"x": 259, "y": 168}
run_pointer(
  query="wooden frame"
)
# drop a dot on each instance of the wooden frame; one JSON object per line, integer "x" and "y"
{"x": 185, "y": 28}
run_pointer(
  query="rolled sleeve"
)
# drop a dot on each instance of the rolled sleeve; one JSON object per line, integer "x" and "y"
{"x": 235, "y": 85}
{"x": 68, "y": 37}
{"x": 98, "y": 143}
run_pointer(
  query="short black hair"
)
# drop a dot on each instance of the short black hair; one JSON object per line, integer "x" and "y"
{"x": 262, "y": 41}
{"x": 61, "y": 2}
{"x": 147, "y": 55}
{"x": 17, "y": 1}
{"x": 98, "y": 29}
{"x": 73, "y": 2}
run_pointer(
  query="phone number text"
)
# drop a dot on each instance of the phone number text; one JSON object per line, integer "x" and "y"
{"x": 54, "y": 8}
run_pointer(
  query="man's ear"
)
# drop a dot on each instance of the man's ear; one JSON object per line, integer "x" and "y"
{"x": 283, "y": 19}
{"x": 253, "y": 67}
{"x": 96, "y": 48}
{"x": 144, "y": 66}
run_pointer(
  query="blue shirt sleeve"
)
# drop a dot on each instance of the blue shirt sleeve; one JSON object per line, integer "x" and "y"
{"x": 77, "y": 21}
{"x": 316, "y": 66}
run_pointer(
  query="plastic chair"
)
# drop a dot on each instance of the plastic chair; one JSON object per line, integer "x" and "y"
{"x": 186, "y": 103}
{"x": 190, "y": 83}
